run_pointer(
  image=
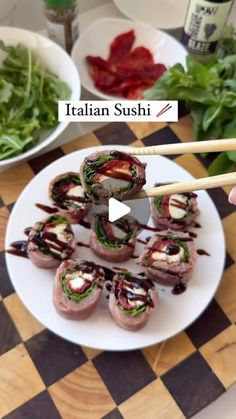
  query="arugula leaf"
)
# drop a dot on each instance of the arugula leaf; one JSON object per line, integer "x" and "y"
{"x": 209, "y": 92}
{"x": 221, "y": 164}
{"x": 135, "y": 312}
{"x": 29, "y": 95}
{"x": 157, "y": 202}
{"x": 90, "y": 170}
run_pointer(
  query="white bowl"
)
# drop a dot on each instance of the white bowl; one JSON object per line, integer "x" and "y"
{"x": 57, "y": 61}
{"x": 96, "y": 40}
{"x": 162, "y": 14}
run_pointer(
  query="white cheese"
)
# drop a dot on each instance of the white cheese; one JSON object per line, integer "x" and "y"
{"x": 77, "y": 279}
{"x": 76, "y": 283}
{"x": 177, "y": 213}
{"x": 58, "y": 229}
{"x": 118, "y": 233}
{"x": 136, "y": 303}
{"x": 163, "y": 257}
{"x": 136, "y": 291}
{"x": 111, "y": 183}
{"x": 77, "y": 191}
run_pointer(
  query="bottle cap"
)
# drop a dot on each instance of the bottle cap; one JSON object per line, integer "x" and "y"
{"x": 59, "y": 3}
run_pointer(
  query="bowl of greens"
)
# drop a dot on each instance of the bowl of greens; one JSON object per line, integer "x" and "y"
{"x": 35, "y": 73}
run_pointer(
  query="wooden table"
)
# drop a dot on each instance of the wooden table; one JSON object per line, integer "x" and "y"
{"x": 42, "y": 376}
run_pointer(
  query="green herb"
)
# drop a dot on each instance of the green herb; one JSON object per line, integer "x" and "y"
{"x": 135, "y": 312}
{"x": 157, "y": 202}
{"x": 57, "y": 219}
{"x": 210, "y": 94}
{"x": 29, "y": 95}
{"x": 185, "y": 248}
{"x": 90, "y": 169}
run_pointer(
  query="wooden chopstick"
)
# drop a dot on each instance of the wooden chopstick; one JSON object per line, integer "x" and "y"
{"x": 182, "y": 148}
{"x": 192, "y": 185}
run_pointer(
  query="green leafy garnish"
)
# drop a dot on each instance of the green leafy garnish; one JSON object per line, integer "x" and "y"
{"x": 157, "y": 202}
{"x": 57, "y": 219}
{"x": 90, "y": 170}
{"x": 209, "y": 92}
{"x": 29, "y": 95}
{"x": 135, "y": 312}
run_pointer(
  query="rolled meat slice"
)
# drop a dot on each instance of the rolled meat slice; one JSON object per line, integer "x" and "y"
{"x": 77, "y": 288}
{"x": 132, "y": 300}
{"x": 112, "y": 174}
{"x": 67, "y": 194}
{"x": 50, "y": 242}
{"x": 169, "y": 258}
{"x": 176, "y": 211}
{"x": 114, "y": 242}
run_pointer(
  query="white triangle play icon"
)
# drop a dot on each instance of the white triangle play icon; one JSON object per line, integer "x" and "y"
{"x": 117, "y": 210}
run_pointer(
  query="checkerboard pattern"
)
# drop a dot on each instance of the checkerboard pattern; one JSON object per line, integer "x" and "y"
{"x": 43, "y": 376}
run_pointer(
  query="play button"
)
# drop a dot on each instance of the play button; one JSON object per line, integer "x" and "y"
{"x": 117, "y": 210}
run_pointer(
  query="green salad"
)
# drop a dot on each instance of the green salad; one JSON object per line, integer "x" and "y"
{"x": 209, "y": 92}
{"x": 29, "y": 94}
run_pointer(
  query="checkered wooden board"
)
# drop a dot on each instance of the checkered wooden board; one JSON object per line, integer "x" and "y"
{"x": 42, "y": 376}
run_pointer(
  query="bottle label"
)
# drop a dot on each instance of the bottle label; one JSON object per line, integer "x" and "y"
{"x": 204, "y": 24}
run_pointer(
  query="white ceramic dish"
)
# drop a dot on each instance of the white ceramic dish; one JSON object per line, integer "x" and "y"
{"x": 162, "y": 14}
{"x": 173, "y": 313}
{"x": 57, "y": 61}
{"x": 96, "y": 40}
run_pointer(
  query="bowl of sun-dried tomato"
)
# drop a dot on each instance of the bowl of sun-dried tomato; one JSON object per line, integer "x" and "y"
{"x": 118, "y": 58}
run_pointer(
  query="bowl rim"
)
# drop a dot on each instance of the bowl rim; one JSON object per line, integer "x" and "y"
{"x": 61, "y": 126}
{"x": 165, "y": 27}
{"x": 82, "y": 39}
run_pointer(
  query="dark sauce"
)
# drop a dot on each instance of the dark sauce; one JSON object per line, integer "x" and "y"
{"x": 81, "y": 244}
{"x": 192, "y": 234}
{"x": 146, "y": 227}
{"x": 19, "y": 248}
{"x": 85, "y": 224}
{"x": 27, "y": 230}
{"x": 141, "y": 241}
{"x": 179, "y": 289}
{"x": 202, "y": 252}
{"x": 172, "y": 249}
{"x": 45, "y": 208}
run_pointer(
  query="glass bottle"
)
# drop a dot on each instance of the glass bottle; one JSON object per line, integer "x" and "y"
{"x": 203, "y": 26}
{"x": 62, "y": 22}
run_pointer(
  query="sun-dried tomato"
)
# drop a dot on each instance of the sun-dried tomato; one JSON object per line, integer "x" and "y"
{"x": 121, "y": 47}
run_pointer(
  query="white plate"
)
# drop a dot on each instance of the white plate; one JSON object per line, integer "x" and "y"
{"x": 165, "y": 48}
{"x": 162, "y": 14}
{"x": 173, "y": 313}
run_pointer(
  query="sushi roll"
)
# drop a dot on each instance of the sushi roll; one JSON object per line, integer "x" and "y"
{"x": 169, "y": 258}
{"x": 50, "y": 242}
{"x": 77, "y": 288}
{"x": 176, "y": 211}
{"x": 67, "y": 194}
{"x": 114, "y": 242}
{"x": 112, "y": 174}
{"x": 132, "y": 300}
